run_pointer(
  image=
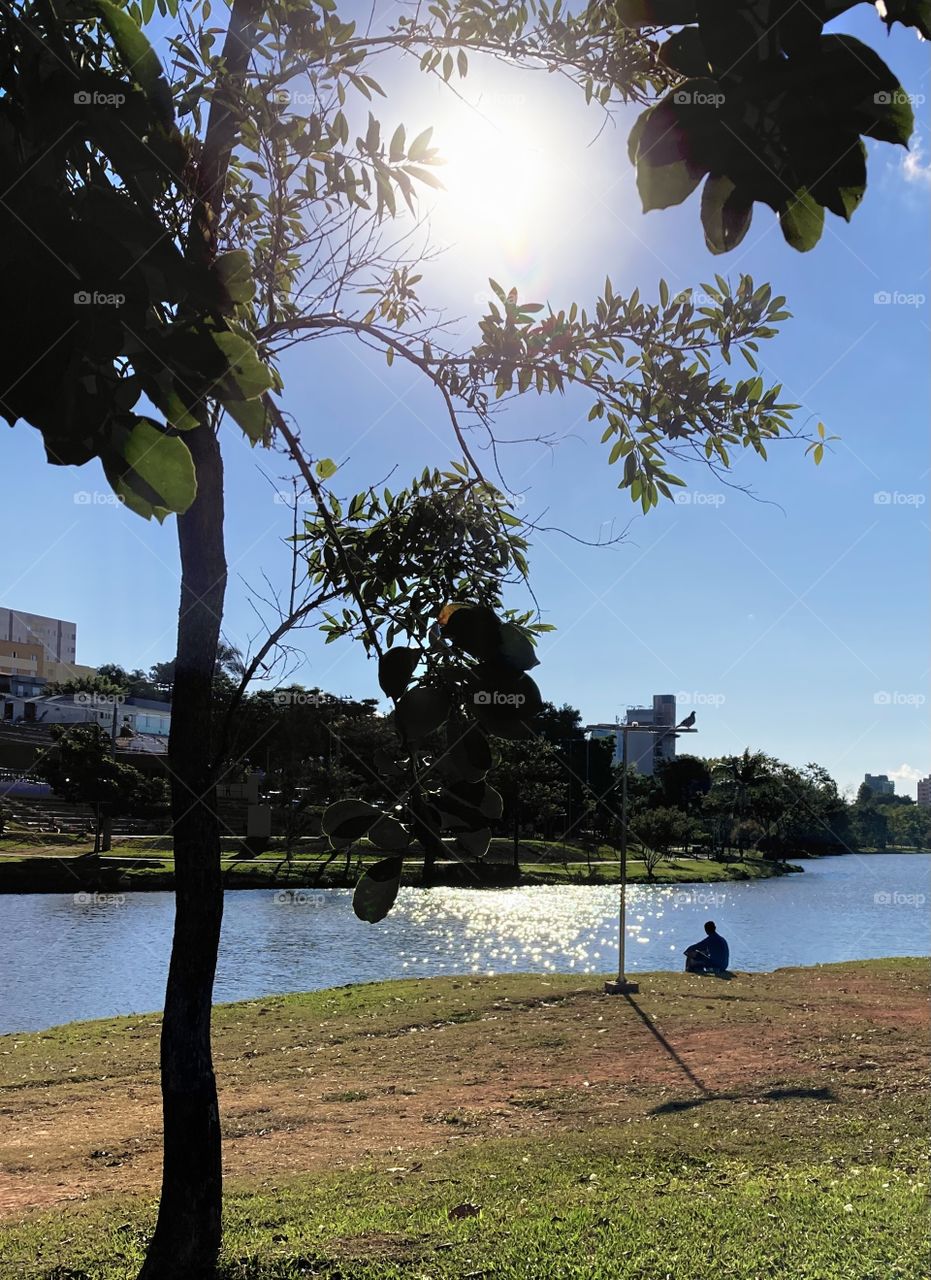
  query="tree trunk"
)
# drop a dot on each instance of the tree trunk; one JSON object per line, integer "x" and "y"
{"x": 187, "y": 1234}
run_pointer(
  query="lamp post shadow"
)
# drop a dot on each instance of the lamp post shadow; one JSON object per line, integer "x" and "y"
{"x": 821, "y": 1094}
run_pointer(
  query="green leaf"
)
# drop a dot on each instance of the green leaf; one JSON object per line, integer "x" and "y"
{"x": 136, "y": 53}
{"x": 377, "y": 889}
{"x": 515, "y": 649}
{"x": 421, "y": 711}
{"x": 425, "y": 176}
{"x": 504, "y": 703}
{"x": 468, "y": 755}
{"x": 348, "y": 820}
{"x": 802, "y": 221}
{"x": 675, "y": 143}
{"x": 474, "y": 843}
{"x": 234, "y": 270}
{"x": 325, "y": 469}
{"x": 389, "y": 835}
{"x": 421, "y": 145}
{"x": 154, "y": 473}
{"x": 395, "y": 669}
{"x": 492, "y": 803}
{"x": 251, "y": 415}
{"x": 843, "y": 185}
{"x": 474, "y": 628}
{"x": 396, "y": 150}
{"x": 247, "y": 375}
{"x": 666, "y": 184}
{"x": 725, "y": 214}
{"x": 864, "y": 89}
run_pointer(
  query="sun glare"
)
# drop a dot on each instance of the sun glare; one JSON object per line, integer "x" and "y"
{"x": 495, "y": 177}
{"x": 501, "y": 212}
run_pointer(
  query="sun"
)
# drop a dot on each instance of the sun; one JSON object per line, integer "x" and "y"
{"x": 501, "y": 210}
{"x": 495, "y": 175}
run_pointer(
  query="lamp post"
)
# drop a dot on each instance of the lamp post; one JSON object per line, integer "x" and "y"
{"x": 621, "y": 986}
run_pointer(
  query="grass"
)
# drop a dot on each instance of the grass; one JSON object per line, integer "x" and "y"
{"x": 801, "y": 1155}
{"x": 148, "y": 864}
{"x": 534, "y": 1215}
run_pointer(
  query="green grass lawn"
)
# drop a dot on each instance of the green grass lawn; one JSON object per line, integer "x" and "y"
{"x": 572, "y": 1210}
{"x": 808, "y": 1166}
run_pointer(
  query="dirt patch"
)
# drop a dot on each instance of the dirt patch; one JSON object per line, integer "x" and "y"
{"x": 299, "y": 1095}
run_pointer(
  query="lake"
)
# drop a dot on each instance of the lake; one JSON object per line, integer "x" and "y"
{"x": 67, "y": 957}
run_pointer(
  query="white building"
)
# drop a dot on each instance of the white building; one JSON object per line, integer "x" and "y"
{"x": 645, "y": 751}
{"x": 139, "y": 724}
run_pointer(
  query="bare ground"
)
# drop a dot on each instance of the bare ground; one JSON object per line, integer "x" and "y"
{"x": 381, "y": 1073}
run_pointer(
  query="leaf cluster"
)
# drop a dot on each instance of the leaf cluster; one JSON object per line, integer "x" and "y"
{"x": 768, "y": 109}
{"x": 466, "y": 683}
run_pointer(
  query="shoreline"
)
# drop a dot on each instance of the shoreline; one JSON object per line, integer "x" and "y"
{"x": 45, "y": 871}
{"x": 41, "y": 873}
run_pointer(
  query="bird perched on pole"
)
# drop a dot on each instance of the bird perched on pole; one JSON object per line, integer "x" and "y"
{"x": 687, "y": 722}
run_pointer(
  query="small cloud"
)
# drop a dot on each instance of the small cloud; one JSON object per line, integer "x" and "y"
{"x": 915, "y": 166}
{"x": 905, "y": 773}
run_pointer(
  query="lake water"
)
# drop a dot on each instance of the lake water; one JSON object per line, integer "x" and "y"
{"x": 63, "y": 959}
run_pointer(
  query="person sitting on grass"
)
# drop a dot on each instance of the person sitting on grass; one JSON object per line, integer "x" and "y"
{"x": 711, "y": 955}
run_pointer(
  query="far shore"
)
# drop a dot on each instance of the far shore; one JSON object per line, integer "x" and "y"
{"x": 141, "y": 864}
{"x": 134, "y": 867}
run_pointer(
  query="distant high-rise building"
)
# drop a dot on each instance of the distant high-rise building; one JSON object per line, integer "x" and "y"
{"x": 924, "y": 791}
{"x": 647, "y": 750}
{"x": 879, "y": 784}
{"x": 33, "y": 644}
{"x": 58, "y": 639}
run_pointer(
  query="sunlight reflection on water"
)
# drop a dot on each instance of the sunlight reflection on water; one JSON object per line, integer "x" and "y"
{"x": 61, "y": 959}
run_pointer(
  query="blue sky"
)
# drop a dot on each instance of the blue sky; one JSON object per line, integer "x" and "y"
{"x": 794, "y": 621}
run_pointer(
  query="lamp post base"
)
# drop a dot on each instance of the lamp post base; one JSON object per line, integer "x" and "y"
{"x": 621, "y": 987}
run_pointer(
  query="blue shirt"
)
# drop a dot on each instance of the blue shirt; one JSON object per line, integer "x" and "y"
{"x": 716, "y": 949}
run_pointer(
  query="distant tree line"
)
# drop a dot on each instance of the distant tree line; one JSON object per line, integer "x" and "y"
{"x": 557, "y": 786}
